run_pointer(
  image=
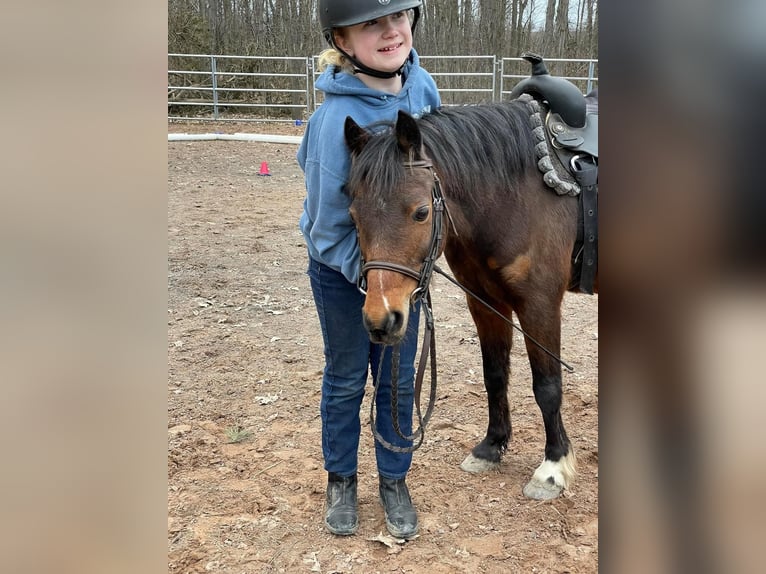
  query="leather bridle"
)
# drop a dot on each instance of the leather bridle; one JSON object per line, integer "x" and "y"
{"x": 423, "y": 277}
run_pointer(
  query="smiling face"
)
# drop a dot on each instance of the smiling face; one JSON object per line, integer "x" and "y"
{"x": 381, "y": 44}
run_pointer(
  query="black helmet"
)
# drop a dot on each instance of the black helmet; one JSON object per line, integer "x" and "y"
{"x": 341, "y": 13}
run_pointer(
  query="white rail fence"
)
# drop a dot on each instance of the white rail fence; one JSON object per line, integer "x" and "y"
{"x": 282, "y": 89}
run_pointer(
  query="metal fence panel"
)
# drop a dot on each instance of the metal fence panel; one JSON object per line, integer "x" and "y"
{"x": 283, "y": 89}
{"x": 237, "y": 88}
{"x": 580, "y": 71}
{"x": 463, "y": 79}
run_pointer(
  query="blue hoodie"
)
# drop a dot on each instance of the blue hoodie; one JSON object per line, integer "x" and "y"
{"x": 324, "y": 158}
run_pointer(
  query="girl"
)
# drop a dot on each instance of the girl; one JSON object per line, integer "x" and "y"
{"x": 370, "y": 72}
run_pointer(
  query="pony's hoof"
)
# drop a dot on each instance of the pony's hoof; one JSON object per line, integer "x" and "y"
{"x": 551, "y": 478}
{"x": 541, "y": 490}
{"x": 477, "y": 465}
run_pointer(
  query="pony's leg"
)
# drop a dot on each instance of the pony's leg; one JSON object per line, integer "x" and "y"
{"x": 495, "y": 338}
{"x": 557, "y": 471}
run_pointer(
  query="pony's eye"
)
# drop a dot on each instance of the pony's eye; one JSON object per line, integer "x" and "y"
{"x": 421, "y": 213}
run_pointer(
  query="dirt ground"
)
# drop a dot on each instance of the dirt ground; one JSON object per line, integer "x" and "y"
{"x": 245, "y": 353}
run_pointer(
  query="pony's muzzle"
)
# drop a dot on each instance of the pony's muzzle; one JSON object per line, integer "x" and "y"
{"x": 388, "y": 329}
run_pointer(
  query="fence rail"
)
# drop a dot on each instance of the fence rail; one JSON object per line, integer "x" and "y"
{"x": 283, "y": 89}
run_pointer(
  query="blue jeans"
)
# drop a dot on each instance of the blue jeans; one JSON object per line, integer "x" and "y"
{"x": 349, "y": 357}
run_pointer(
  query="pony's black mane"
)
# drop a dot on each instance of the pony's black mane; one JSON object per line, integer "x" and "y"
{"x": 474, "y": 149}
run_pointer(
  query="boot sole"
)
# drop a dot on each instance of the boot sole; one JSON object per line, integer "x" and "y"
{"x": 392, "y": 530}
{"x": 338, "y": 532}
{"x": 397, "y": 534}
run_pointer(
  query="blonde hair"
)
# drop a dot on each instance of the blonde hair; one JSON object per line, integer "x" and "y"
{"x": 331, "y": 57}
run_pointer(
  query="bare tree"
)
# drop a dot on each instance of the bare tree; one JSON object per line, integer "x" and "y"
{"x": 448, "y": 27}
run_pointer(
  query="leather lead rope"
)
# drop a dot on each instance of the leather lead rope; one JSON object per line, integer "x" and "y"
{"x": 421, "y": 293}
{"x": 428, "y": 349}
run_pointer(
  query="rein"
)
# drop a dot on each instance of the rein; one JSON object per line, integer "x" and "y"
{"x": 564, "y": 364}
{"x": 429, "y": 342}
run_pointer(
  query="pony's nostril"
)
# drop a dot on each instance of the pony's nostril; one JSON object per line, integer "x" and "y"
{"x": 386, "y": 331}
{"x": 395, "y": 321}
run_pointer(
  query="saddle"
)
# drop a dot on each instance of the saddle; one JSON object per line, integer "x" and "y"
{"x": 571, "y": 129}
{"x": 572, "y": 119}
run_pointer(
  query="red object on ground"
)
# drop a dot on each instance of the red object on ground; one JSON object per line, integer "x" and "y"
{"x": 264, "y": 169}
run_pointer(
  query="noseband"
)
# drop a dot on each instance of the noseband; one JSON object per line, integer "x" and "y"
{"x": 423, "y": 277}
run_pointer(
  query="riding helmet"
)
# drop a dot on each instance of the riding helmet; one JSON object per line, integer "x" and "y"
{"x": 342, "y": 13}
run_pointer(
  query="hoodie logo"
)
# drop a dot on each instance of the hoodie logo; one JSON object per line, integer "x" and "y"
{"x": 384, "y": 2}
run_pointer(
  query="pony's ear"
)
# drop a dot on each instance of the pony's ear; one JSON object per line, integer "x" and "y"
{"x": 356, "y": 137}
{"x": 408, "y": 134}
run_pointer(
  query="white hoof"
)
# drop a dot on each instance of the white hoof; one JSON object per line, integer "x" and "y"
{"x": 551, "y": 478}
{"x": 477, "y": 465}
{"x": 541, "y": 490}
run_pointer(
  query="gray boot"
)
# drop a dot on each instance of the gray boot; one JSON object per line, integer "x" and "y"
{"x": 340, "y": 513}
{"x": 401, "y": 518}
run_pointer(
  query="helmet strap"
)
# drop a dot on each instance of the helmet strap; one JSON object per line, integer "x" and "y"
{"x": 360, "y": 68}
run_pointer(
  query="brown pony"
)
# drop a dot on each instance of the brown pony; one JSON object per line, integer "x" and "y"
{"x": 506, "y": 236}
